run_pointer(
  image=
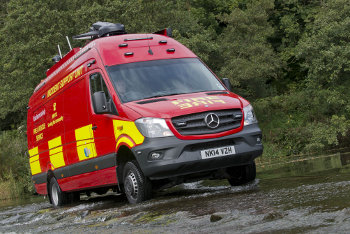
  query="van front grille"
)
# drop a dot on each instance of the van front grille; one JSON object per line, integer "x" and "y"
{"x": 206, "y": 122}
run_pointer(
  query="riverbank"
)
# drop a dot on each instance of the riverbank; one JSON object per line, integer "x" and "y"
{"x": 12, "y": 189}
{"x": 303, "y": 196}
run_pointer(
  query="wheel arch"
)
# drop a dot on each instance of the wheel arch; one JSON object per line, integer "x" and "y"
{"x": 123, "y": 156}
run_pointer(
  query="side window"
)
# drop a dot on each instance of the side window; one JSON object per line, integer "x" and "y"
{"x": 97, "y": 84}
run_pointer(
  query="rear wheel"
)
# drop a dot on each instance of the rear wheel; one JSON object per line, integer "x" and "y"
{"x": 57, "y": 197}
{"x": 137, "y": 187}
{"x": 242, "y": 174}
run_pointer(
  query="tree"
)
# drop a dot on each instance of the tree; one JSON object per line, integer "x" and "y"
{"x": 289, "y": 19}
{"x": 325, "y": 47}
{"x": 250, "y": 60}
{"x": 33, "y": 28}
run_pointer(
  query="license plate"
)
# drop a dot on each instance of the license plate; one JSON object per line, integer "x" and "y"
{"x": 218, "y": 152}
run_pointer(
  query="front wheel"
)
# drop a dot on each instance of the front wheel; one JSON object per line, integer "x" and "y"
{"x": 241, "y": 174}
{"x": 136, "y": 186}
{"x": 57, "y": 197}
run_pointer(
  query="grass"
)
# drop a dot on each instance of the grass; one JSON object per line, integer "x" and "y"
{"x": 10, "y": 189}
{"x": 5, "y": 190}
{"x": 15, "y": 178}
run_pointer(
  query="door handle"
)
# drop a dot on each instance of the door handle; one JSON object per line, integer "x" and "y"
{"x": 94, "y": 127}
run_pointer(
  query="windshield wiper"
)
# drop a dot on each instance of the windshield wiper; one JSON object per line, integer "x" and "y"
{"x": 163, "y": 95}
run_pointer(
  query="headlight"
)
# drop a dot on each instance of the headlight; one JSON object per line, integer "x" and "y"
{"x": 153, "y": 127}
{"x": 249, "y": 116}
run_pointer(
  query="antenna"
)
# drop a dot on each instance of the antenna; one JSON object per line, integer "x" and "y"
{"x": 70, "y": 47}
{"x": 59, "y": 51}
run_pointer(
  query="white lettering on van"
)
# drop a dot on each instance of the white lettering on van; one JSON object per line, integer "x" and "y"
{"x": 39, "y": 115}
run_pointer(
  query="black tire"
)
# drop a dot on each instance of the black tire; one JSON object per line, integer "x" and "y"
{"x": 242, "y": 174}
{"x": 137, "y": 187}
{"x": 57, "y": 197}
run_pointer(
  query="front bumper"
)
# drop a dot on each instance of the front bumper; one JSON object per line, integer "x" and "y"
{"x": 182, "y": 157}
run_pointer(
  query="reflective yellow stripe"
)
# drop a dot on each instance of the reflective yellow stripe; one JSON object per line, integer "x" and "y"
{"x": 34, "y": 158}
{"x": 128, "y": 128}
{"x": 34, "y": 161}
{"x": 56, "y": 154}
{"x": 85, "y": 142}
{"x": 33, "y": 152}
{"x": 126, "y": 141}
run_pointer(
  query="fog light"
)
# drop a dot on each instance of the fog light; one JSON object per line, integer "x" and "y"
{"x": 258, "y": 140}
{"x": 155, "y": 156}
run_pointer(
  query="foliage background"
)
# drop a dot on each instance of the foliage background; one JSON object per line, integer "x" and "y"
{"x": 290, "y": 58}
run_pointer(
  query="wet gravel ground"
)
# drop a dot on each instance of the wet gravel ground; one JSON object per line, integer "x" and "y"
{"x": 286, "y": 199}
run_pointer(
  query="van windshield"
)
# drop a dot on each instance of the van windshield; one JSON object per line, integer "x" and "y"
{"x": 142, "y": 80}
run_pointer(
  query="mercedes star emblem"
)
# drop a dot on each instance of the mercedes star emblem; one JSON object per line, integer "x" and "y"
{"x": 212, "y": 120}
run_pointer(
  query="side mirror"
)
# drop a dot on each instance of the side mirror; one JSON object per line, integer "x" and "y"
{"x": 100, "y": 103}
{"x": 227, "y": 83}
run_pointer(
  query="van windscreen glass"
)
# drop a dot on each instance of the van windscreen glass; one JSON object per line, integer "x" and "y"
{"x": 158, "y": 78}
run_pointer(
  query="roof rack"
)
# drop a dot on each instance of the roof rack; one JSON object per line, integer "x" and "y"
{"x": 102, "y": 29}
{"x": 97, "y": 30}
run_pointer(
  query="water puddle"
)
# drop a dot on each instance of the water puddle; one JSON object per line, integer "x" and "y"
{"x": 298, "y": 195}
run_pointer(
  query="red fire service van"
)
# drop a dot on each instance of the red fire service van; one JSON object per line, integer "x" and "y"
{"x": 134, "y": 113}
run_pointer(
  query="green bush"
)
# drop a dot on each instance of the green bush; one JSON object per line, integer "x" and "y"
{"x": 14, "y": 166}
{"x": 303, "y": 122}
